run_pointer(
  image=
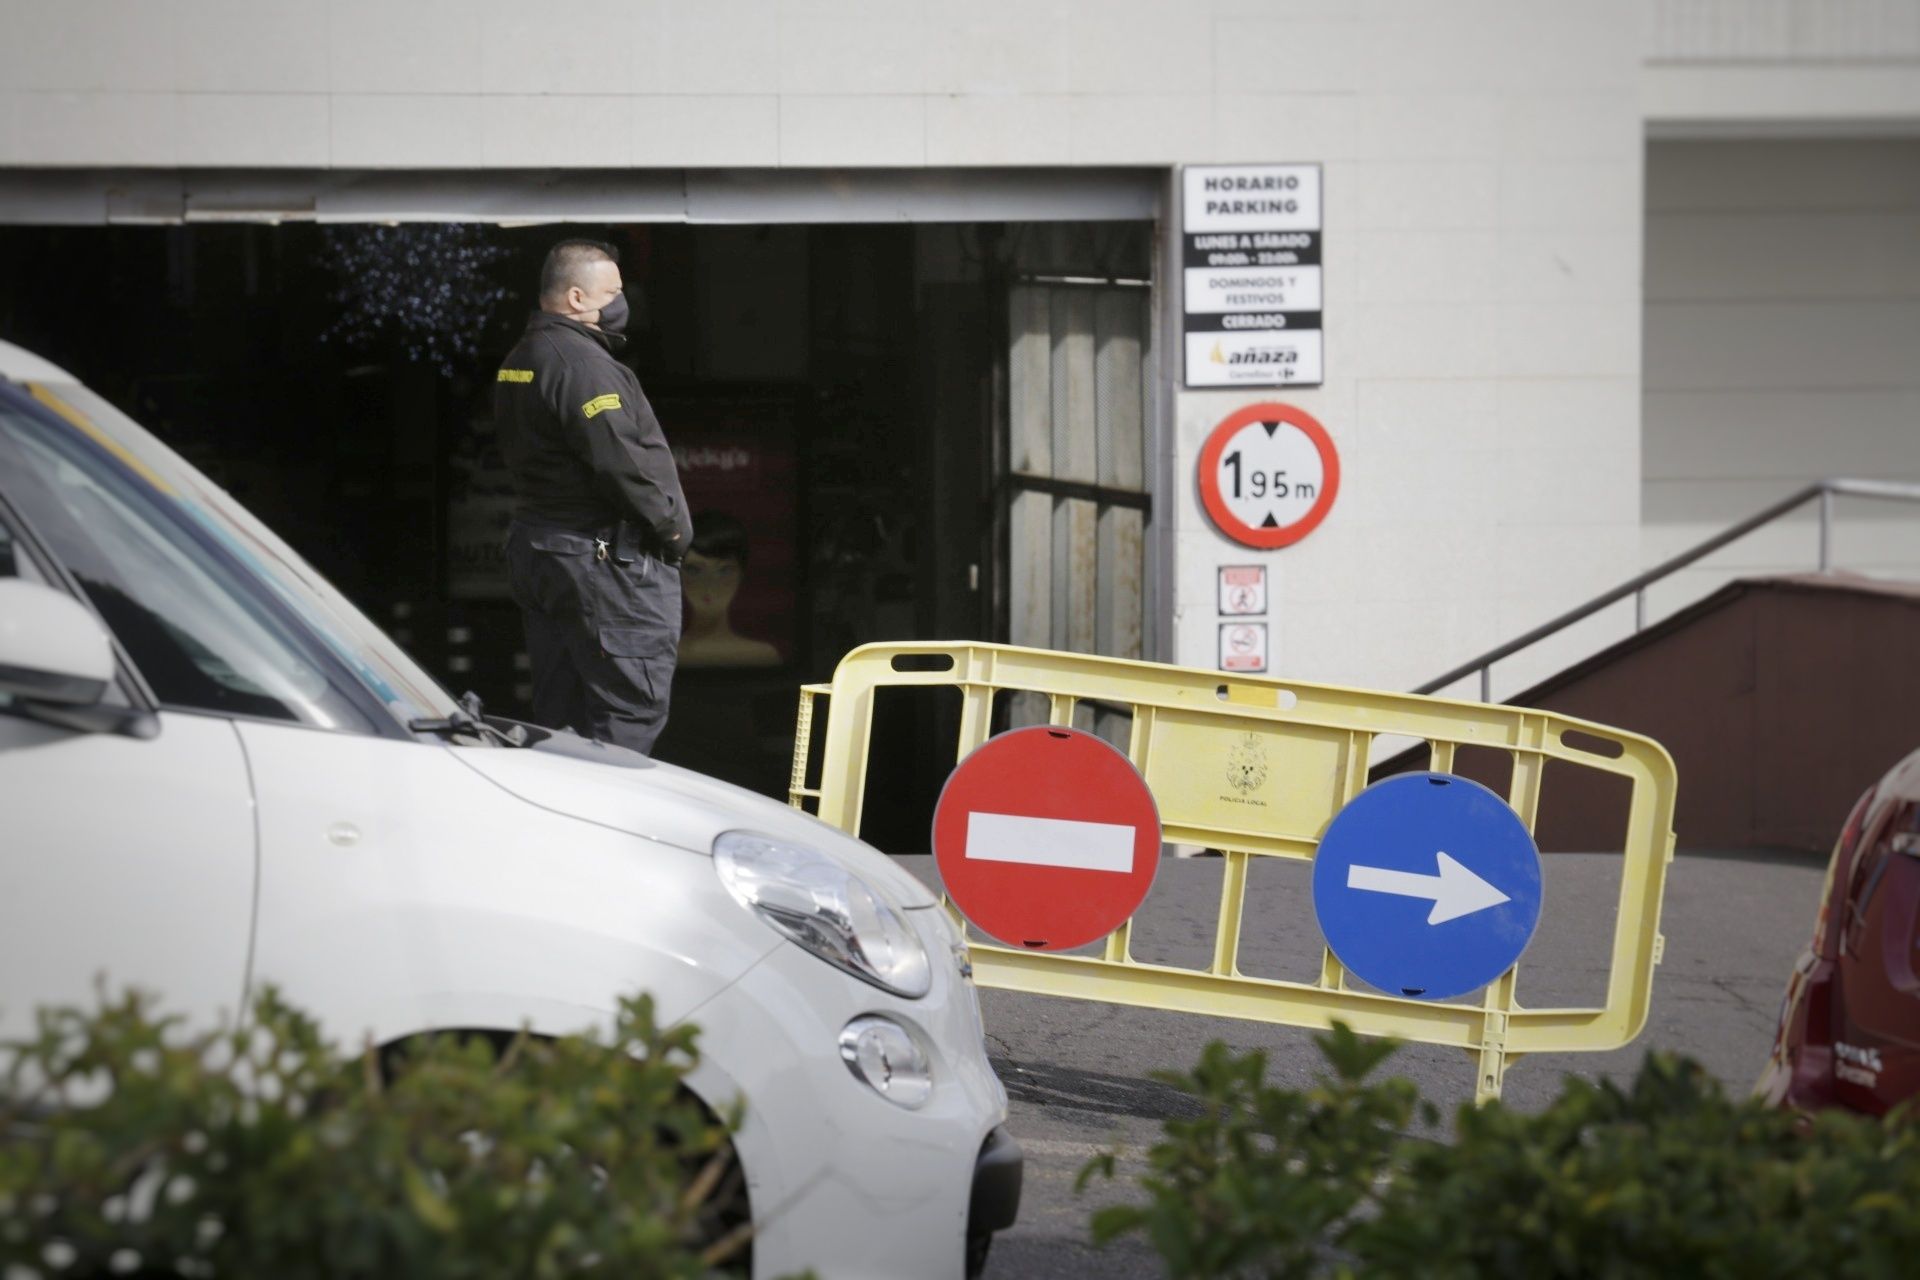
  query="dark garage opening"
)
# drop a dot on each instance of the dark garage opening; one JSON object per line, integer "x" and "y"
{"x": 836, "y": 391}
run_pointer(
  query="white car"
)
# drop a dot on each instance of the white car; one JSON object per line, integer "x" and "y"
{"x": 216, "y": 773}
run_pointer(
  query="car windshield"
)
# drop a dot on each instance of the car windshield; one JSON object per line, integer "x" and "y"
{"x": 406, "y": 690}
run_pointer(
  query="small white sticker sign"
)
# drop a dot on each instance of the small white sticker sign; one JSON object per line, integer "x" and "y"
{"x": 1243, "y": 589}
{"x": 1243, "y": 646}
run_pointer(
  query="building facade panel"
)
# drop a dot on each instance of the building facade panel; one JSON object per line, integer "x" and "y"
{"x": 1783, "y": 314}
{"x": 1486, "y": 198}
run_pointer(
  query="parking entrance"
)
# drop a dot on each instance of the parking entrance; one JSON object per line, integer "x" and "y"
{"x": 838, "y": 395}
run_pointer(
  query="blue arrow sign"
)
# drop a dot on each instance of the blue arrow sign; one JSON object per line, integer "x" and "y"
{"x": 1427, "y": 885}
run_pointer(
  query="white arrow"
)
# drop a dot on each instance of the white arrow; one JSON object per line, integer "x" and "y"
{"x": 1455, "y": 892}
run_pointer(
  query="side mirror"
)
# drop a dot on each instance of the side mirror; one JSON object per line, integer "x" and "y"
{"x": 53, "y": 652}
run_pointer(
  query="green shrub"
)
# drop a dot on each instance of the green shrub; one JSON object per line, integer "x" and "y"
{"x": 1667, "y": 1176}
{"x": 128, "y": 1146}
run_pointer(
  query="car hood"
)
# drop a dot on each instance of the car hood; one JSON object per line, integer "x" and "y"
{"x": 676, "y": 806}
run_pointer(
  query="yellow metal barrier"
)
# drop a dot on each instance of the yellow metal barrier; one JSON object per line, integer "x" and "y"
{"x": 1184, "y": 722}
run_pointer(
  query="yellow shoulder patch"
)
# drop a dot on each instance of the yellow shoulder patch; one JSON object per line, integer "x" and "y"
{"x": 600, "y": 404}
{"x": 516, "y": 375}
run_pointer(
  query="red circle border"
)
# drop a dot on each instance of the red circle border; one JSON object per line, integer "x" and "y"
{"x": 1209, "y": 475}
{"x": 1153, "y": 806}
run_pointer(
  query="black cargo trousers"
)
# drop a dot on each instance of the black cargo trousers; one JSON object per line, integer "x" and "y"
{"x": 603, "y": 634}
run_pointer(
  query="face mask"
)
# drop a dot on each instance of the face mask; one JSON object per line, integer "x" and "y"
{"x": 613, "y": 316}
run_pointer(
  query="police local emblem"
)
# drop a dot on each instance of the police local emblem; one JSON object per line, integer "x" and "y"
{"x": 1247, "y": 764}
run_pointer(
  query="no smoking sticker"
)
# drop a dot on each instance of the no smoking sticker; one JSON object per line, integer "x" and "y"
{"x": 1243, "y": 646}
{"x": 1268, "y": 475}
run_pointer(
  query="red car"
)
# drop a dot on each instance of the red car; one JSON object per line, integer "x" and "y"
{"x": 1850, "y": 1025}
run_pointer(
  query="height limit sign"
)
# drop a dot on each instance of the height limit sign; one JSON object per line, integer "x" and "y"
{"x": 1268, "y": 475}
{"x": 1250, "y": 245}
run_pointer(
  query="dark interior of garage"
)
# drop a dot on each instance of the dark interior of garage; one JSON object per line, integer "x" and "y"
{"x": 834, "y": 395}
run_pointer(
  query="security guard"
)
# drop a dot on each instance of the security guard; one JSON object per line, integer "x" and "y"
{"x": 600, "y": 525}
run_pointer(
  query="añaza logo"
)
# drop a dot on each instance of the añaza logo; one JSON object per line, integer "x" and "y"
{"x": 1254, "y": 356}
{"x": 1247, "y": 764}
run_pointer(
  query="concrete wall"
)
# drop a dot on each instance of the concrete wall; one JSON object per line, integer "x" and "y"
{"x": 1782, "y": 345}
{"x": 1482, "y": 215}
{"x": 1483, "y": 209}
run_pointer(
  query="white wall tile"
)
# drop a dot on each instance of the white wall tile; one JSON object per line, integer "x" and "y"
{"x": 1433, "y": 486}
{"x": 1408, "y": 340}
{"x": 862, "y": 129}
{"x": 719, "y": 130}
{"x": 586, "y": 49}
{"x": 999, "y": 47}
{"x": 394, "y": 130}
{"x": 715, "y": 46}
{"x": 1592, "y": 195}
{"x": 421, "y": 46}
{"x": 1412, "y": 413}
{"x": 549, "y": 132}
{"x": 1129, "y": 46}
{"x": 1565, "y": 47}
{"x": 1569, "y": 339}
{"x": 1568, "y": 266}
{"x": 123, "y": 46}
{"x": 999, "y": 129}
{"x": 1429, "y": 126}
{"x": 92, "y": 128}
{"x": 1412, "y": 196}
{"x": 1556, "y": 413}
{"x": 1268, "y": 55}
{"x": 1140, "y": 129}
{"x": 278, "y": 130}
{"x": 1563, "y": 126}
{"x": 259, "y": 46}
{"x": 1428, "y": 48}
{"x": 1588, "y": 484}
{"x": 1284, "y": 127}
{"x": 884, "y": 51}
{"x": 1425, "y": 266}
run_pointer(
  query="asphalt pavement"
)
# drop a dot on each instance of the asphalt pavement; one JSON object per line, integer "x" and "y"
{"x": 1077, "y": 1072}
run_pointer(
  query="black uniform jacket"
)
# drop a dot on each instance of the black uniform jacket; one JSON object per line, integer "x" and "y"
{"x": 581, "y": 440}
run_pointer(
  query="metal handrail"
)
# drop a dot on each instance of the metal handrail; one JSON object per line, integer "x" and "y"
{"x": 1824, "y": 490}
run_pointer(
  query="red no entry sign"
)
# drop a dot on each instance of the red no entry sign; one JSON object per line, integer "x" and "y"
{"x": 1047, "y": 838}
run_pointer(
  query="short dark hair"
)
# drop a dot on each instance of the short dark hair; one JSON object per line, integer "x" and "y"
{"x": 567, "y": 264}
{"x": 719, "y": 536}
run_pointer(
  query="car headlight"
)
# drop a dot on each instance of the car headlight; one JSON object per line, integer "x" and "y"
{"x": 825, "y": 908}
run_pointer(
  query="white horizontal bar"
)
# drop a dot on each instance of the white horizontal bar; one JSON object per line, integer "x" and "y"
{"x": 1050, "y": 842}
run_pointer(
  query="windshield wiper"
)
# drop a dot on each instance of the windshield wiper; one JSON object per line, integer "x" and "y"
{"x": 469, "y": 720}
